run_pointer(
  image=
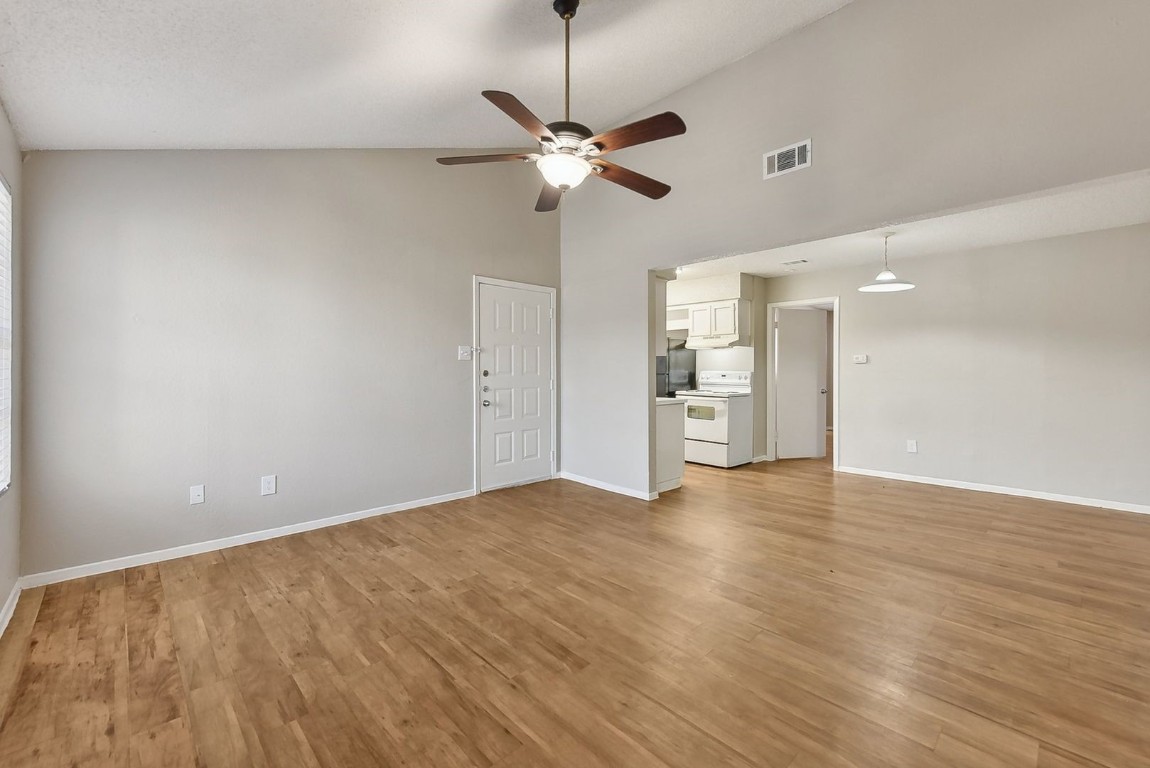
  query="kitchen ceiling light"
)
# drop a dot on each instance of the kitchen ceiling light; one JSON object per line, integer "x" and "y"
{"x": 886, "y": 281}
{"x": 562, "y": 170}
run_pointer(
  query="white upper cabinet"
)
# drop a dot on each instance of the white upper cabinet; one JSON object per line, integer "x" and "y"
{"x": 725, "y": 318}
{"x": 714, "y": 323}
{"x": 701, "y": 320}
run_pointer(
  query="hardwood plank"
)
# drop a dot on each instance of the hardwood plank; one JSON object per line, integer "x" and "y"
{"x": 774, "y": 615}
{"x": 14, "y": 646}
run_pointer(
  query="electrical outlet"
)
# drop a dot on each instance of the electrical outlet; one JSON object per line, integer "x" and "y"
{"x": 196, "y": 494}
{"x": 860, "y": 359}
{"x": 912, "y": 446}
{"x": 267, "y": 485}
{"x": 464, "y": 353}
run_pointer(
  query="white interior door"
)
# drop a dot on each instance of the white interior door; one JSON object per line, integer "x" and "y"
{"x": 801, "y": 383}
{"x": 515, "y": 384}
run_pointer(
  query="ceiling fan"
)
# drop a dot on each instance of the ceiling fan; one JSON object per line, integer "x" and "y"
{"x": 569, "y": 152}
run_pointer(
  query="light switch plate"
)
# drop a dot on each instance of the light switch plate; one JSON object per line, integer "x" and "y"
{"x": 464, "y": 353}
{"x": 196, "y": 494}
{"x": 860, "y": 359}
{"x": 267, "y": 485}
{"x": 912, "y": 446}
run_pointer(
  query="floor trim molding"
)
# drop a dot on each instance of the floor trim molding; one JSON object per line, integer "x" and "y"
{"x": 609, "y": 487}
{"x": 10, "y": 606}
{"x": 159, "y": 556}
{"x": 1121, "y": 506}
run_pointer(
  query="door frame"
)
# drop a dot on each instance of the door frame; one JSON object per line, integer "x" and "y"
{"x": 476, "y": 447}
{"x": 772, "y": 384}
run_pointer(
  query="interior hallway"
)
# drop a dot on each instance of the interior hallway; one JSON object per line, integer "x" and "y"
{"x": 772, "y": 615}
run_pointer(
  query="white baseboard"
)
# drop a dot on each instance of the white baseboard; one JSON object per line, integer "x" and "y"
{"x": 9, "y": 607}
{"x": 159, "y": 556}
{"x": 1121, "y": 506}
{"x": 669, "y": 485}
{"x": 645, "y": 496}
{"x": 759, "y": 459}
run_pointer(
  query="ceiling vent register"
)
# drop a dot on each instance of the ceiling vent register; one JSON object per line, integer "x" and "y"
{"x": 792, "y": 158}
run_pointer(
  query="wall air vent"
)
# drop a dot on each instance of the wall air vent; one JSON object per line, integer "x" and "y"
{"x": 792, "y": 158}
{"x": 794, "y": 263}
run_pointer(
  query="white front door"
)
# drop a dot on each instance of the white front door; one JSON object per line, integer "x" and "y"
{"x": 515, "y": 384}
{"x": 801, "y": 383}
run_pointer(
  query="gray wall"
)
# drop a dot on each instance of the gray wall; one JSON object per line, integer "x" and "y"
{"x": 10, "y": 169}
{"x": 211, "y": 317}
{"x": 1022, "y": 366}
{"x": 914, "y": 109}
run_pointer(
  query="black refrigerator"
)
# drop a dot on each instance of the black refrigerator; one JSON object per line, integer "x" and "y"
{"x": 675, "y": 372}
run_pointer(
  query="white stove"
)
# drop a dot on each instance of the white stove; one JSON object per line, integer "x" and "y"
{"x": 719, "y": 429}
{"x": 720, "y": 384}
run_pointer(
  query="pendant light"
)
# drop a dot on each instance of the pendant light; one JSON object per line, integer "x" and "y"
{"x": 886, "y": 281}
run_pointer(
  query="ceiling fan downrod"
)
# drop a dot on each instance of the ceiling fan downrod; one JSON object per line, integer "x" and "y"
{"x": 566, "y": 10}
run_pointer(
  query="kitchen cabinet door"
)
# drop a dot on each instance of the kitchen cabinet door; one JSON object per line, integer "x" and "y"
{"x": 700, "y": 320}
{"x": 725, "y": 318}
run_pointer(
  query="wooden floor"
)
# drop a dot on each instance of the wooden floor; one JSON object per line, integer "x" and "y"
{"x": 774, "y": 615}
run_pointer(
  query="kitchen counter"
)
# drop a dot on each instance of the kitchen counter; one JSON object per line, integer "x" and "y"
{"x": 670, "y": 421}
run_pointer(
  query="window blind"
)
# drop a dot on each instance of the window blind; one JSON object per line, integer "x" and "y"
{"x": 5, "y": 336}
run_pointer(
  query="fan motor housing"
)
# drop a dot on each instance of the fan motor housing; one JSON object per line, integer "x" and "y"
{"x": 570, "y": 133}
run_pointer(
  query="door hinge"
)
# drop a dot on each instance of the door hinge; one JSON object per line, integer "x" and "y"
{"x": 551, "y": 312}
{"x": 553, "y": 385}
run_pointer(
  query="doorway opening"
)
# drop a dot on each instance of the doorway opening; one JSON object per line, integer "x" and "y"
{"x": 803, "y": 379}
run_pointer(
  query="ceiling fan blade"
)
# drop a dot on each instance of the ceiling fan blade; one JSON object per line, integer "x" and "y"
{"x": 468, "y": 159}
{"x": 514, "y": 109}
{"x": 635, "y": 182}
{"x": 651, "y": 129}
{"x": 549, "y": 198}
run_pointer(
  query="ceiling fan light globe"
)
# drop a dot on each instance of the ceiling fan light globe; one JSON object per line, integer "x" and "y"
{"x": 562, "y": 170}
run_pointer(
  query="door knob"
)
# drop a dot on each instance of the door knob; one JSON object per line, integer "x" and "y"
{"x": 486, "y": 388}
{"x": 485, "y": 373}
{"x": 822, "y": 391}
{"x": 486, "y": 403}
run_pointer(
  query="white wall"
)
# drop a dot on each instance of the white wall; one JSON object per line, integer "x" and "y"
{"x": 10, "y": 169}
{"x": 1022, "y": 366}
{"x": 211, "y": 317}
{"x": 914, "y": 109}
{"x": 716, "y": 288}
{"x": 727, "y": 359}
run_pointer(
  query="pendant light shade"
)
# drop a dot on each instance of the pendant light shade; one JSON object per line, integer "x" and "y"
{"x": 886, "y": 281}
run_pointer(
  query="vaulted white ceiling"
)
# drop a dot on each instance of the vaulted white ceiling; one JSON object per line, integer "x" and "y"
{"x": 135, "y": 74}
